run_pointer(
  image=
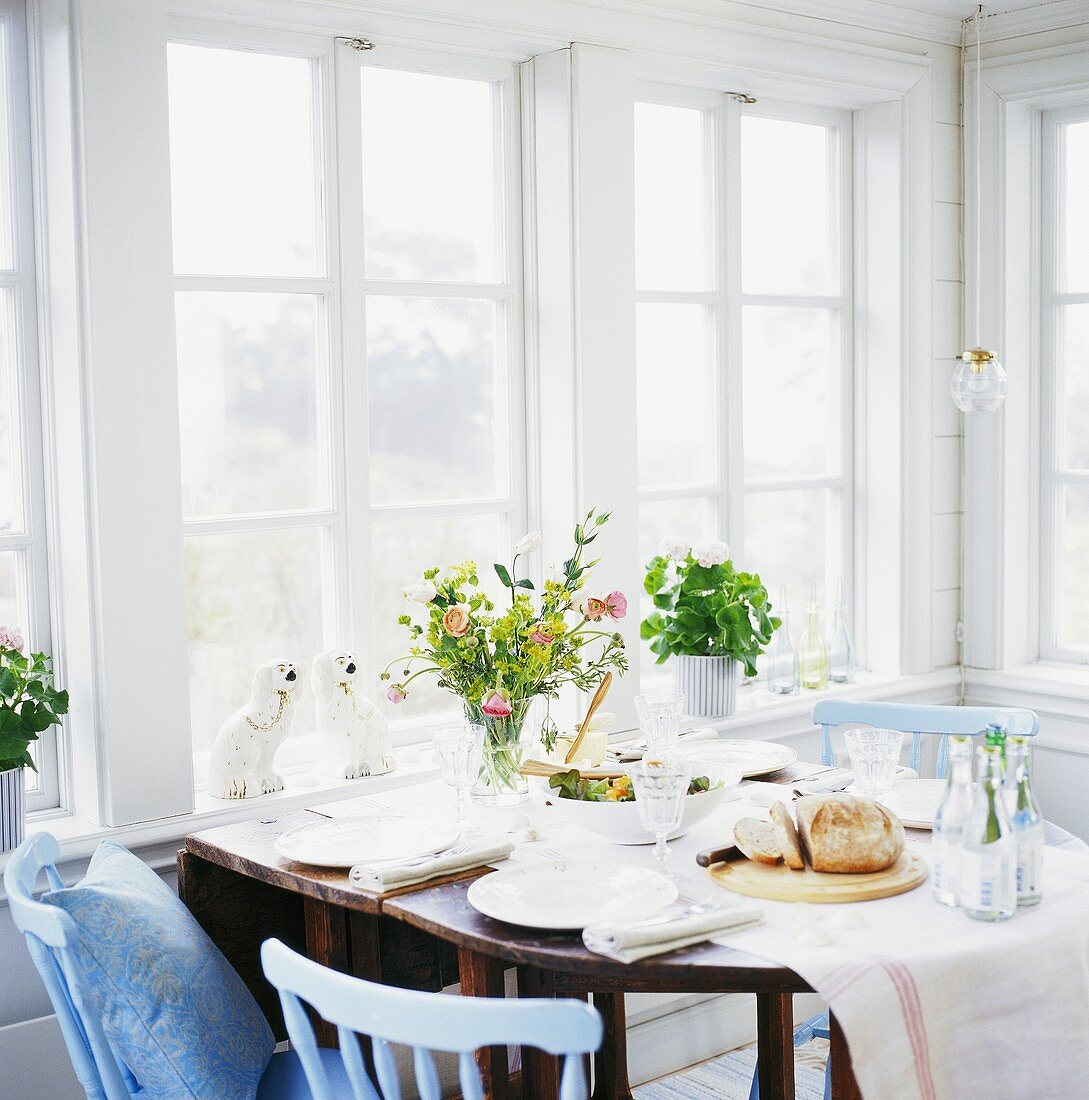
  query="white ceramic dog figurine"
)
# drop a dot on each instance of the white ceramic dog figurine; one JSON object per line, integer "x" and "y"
{"x": 354, "y": 733}
{"x": 241, "y": 764}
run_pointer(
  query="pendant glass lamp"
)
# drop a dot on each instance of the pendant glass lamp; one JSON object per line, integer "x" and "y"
{"x": 979, "y": 382}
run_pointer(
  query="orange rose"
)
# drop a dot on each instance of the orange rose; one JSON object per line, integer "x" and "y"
{"x": 456, "y": 621}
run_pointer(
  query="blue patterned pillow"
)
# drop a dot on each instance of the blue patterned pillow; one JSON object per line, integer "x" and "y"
{"x": 174, "y": 1009}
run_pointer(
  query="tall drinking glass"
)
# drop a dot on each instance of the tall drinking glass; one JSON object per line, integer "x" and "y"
{"x": 454, "y": 749}
{"x": 874, "y": 757}
{"x": 660, "y": 719}
{"x": 661, "y": 784}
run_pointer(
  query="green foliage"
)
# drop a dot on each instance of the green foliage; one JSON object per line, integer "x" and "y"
{"x": 29, "y": 705}
{"x": 706, "y": 611}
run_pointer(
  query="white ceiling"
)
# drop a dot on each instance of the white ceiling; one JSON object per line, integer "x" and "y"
{"x": 959, "y": 9}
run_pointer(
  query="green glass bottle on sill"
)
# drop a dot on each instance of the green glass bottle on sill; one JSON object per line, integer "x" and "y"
{"x": 814, "y": 656}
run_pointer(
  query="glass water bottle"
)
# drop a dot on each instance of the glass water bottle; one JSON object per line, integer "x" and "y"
{"x": 841, "y": 650}
{"x": 814, "y": 657}
{"x": 949, "y": 823}
{"x": 1028, "y": 822}
{"x": 784, "y": 675}
{"x": 988, "y": 859}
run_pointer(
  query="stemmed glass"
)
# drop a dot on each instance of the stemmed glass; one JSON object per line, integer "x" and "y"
{"x": 660, "y": 718}
{"x": 454, "y": 748}
{"x": 661, "y": 785}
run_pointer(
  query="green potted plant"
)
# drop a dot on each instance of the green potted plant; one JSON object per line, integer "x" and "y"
{"x": 709, "y": 618}
{"x": 29, "y": 705}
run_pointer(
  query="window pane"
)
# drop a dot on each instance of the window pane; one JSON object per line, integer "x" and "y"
{"x": 690, "y": 519}
{"x": 7, "y": 125}
{"x": 243, "y": 163}
{"x": 789, "y": 231}
{"x": 429, "y": 176}
{"x": 403, "y": 549}
{"x": 676, "y": 391}
{"x": 248, "y": 387}
{"x": 791, "y": 391}
{"x": 11, "y": 508}
{"x": 12, "y": 600}
{"x": 438, "y": 426}
{"x": 1073, "y": 349}
{"x": 252, "y": 597}
{"x": 673, "y": 235}
{"x": 1074, "y": 553}
{"x": 791, "y": 537}
{"x": 1076, "y": 208}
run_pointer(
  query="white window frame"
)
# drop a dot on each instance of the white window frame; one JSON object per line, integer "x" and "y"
{"x": 1053, "y": 476}
{"x": 15, "y": 132}
{"x": 728, "y": 491}
{"x": 344, "y": 288}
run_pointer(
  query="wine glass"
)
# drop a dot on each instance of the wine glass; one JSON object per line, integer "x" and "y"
{"x": 660, "y": 718}
{"x": 454, "y": 749}
{"x": 661, "y": 785}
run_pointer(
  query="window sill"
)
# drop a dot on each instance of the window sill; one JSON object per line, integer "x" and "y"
{"x": 1045, "y": 687}
{"x": 759, "y": 715}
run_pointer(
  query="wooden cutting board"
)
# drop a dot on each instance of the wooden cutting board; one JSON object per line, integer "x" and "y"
{"x": 777, "y": 882}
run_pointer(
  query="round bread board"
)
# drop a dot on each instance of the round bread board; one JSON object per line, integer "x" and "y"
{"x": 777, "y": 882}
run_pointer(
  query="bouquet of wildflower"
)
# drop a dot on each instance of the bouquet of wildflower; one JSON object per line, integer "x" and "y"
{"x": 498, "y": 660}
{"x": 29, "y": 703}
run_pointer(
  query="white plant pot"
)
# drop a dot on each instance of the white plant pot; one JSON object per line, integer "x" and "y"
{"x": 708, "y": 684}
{"x": 12, "y": 809}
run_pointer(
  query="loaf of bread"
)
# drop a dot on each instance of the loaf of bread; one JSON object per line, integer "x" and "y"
{"x": 845, "y": 834}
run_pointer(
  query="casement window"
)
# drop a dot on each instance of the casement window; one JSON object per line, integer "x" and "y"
{"x": 349, "y": 348}
{"x": 1064, "y": 437}
{"x": 744, "y": 350}
{"x": 24, "y": 569}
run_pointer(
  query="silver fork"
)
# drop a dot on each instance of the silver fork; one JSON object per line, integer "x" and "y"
{"x": 708, "y": 905}
{"x": 455, "y": 850}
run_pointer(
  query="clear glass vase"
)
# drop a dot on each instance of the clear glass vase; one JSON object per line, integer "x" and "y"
{"x": 501, "y": 745}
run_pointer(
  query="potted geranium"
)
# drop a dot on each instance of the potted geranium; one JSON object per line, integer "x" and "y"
{"x": 709, "y": 619}
{"x": 29, "y": 705}
{"x": 496, "y": 662}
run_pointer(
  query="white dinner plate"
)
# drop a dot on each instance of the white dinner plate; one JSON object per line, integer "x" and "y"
{"x": 568, "y": 896}
{"x": 753, "y": 758}
{"x": 346, "y": 841}
{"x": 915, "y": 801}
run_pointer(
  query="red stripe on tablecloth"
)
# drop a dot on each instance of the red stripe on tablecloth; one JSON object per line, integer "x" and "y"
{"x": 912, "y": 1008}
{"x": 841, "y": 978}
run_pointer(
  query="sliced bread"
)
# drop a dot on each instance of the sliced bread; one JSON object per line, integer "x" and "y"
{"x": 758, "y": 840}
{"x": 786, "y": 836}
{"x": 844, "y": 834}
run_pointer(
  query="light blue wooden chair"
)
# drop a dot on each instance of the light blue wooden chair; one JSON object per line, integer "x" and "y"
{"x": 919, "y": 720}
{"x": 51, "y": 936}
{"x": 424, "y": 1022}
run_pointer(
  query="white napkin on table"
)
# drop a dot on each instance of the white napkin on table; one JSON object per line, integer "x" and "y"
{"x": 627, "y": 943}
{"x": 379, "y": 878}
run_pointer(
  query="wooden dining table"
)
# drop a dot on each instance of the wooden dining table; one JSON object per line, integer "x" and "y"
{"x": 429, "y": 937}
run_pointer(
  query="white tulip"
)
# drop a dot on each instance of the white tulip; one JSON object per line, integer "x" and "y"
{"x": 420, "y": 592}
{"x": 674, "y": 548}
{"x": 528, "y": 543}
{"x": 710, "y": 552}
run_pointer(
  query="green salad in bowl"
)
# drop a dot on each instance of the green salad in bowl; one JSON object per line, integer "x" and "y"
{"x": 571, "y": 784}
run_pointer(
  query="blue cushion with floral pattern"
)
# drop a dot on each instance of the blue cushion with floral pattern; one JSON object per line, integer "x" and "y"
{"x": 171, "y": 1005}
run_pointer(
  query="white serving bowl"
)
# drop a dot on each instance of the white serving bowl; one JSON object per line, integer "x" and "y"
{"x": 618, "y": 822}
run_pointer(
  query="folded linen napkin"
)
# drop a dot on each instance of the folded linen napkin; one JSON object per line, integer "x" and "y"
{"x": 628, "y": 943}
{"x": 380, "y": 878}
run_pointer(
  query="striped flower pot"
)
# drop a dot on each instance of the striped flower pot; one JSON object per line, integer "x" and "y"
{"x": 709, "y": 685}
{"x": 12, "y": 809}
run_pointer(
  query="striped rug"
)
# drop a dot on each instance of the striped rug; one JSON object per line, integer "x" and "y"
{"x": 729, "y": 1077}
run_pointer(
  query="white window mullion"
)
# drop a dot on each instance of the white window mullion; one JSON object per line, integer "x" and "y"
{"x": 728, "y": 163}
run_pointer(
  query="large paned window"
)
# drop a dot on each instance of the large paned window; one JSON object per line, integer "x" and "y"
{"x": 1064, "y": 439}
{"x": 349, "y": 349}
{"x": 24, "y": 574}
{"x": 744, "y": 334}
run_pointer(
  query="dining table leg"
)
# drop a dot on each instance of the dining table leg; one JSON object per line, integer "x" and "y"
{"x": 326, "y": 929}
{"x": 482, "y": 976}
{"x": 611, "y": 1060}
{"x": 775, "y": 1045}
{"x": 844, "y": 1085}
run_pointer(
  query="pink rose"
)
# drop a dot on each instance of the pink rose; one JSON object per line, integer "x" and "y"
{"x": 593, "y": 608}
{"x": 396, "y": 694}
{"x": 496, "y": 706}
{"x": 541, "y": 635}
{"x": 10, "y": 638}
{"x": 616, "y": 605}
{"x": 456, "y": 621}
